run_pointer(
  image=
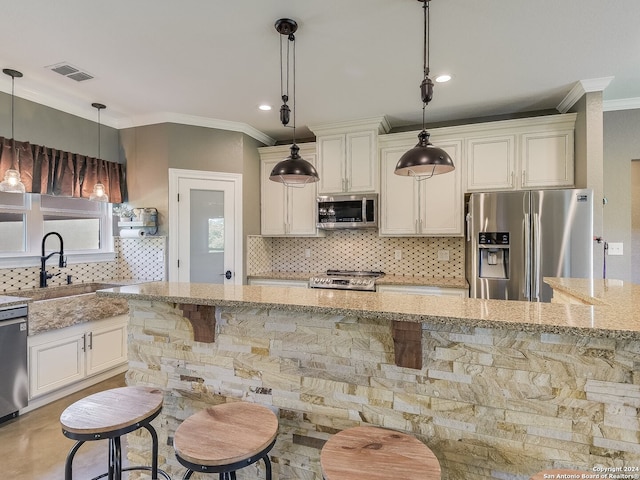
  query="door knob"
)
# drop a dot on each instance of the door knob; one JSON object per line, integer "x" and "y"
{"x": 227, "y": 274}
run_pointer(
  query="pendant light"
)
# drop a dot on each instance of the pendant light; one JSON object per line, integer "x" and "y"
{"x": 12, "y": 182}
{"x": 99, "y": 193}
{"x": 293, "y": 170}
{"x": 425, "y": 160}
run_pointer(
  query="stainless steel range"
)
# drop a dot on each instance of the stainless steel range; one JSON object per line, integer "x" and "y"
{"x": 346, "y": 280}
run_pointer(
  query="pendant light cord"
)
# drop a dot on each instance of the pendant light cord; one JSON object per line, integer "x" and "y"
{"x": 16, "y": 150}
{"x": 292, "y": 38}
{"x": 284, "y": 78}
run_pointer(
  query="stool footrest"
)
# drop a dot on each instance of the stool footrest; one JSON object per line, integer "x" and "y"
{"x": 128, "y": 469}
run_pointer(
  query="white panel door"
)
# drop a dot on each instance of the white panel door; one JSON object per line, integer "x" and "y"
{"x": 362, "y": 169}
{"x": 106, "y": 347}
{"x": 398, "y": 208}
{"x": 331, "y": 164}
{"x": 491, "y": 163}
{"x": 205, "y": 227}
{"x": 441, "y": 208}
{"x": 55, "y": 364}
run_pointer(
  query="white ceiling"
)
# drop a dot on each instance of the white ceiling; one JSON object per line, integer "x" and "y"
{"x": 201, "y": 61}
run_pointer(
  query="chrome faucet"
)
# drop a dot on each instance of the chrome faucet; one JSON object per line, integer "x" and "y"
{"x": 44, "y": 276}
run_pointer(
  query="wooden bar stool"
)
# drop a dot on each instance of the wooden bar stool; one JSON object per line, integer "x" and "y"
{"x": 109, "y": 415}
{"x": 554, "y": 473}
{"x": 373, "y": 453}
{"x": 225, "y": 438}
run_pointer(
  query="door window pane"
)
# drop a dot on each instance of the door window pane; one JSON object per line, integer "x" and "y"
{"x": 77, "y": 233}
{"x": 11, "y": 232}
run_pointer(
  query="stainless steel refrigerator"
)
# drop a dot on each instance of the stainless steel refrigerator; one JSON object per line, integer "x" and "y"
{"x": 514, "y": 239}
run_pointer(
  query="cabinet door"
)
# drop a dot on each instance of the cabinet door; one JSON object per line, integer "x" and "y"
{"x": 491, "y": 163}
{"x": 301, "y": 207}
{"x": 106, "y": 347}
{"x": 331, "y": 164}
{"x": 441, "y": 197}
{"x": 398, "y": 207}
{"x": 547, "y": 159}
{"x": 272, "y": 202}
{"x": 56, "y": 364}
{"x": 362, "y": 168}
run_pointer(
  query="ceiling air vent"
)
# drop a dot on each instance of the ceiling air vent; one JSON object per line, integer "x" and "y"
{"x": 70, "y": 71}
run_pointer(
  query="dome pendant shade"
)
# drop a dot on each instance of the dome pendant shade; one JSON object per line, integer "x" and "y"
{"x": 294, "y": 170}
{"x": 424, "y": 160}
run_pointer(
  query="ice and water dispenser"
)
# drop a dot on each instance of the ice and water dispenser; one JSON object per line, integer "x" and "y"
{"x": 493, "y": 254}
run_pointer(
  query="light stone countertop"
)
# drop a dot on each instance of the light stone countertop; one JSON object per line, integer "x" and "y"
{"x": 446, "y": 282}
{"x": 614, "y": 321}
{"x": 9, "y": 301}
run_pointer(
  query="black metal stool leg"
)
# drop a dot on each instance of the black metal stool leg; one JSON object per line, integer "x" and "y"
{"x": 118, "y": 459}
{"x": 187, "y": 475}
{"x": 68, "y": 466}
{"x": 267, "y": 464}
{"x": 154, "y": 451}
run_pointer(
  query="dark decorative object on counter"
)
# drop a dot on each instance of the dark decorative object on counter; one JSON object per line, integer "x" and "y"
{"x": 425, "y": 160}
{"x": 293, "y": 170}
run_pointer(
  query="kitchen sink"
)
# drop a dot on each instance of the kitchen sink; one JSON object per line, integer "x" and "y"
{"x": 72, "y": 290}
{"x": 58, "y": 307}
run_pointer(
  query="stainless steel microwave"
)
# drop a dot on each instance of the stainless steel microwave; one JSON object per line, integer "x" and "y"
{"x": 347, "y": 211}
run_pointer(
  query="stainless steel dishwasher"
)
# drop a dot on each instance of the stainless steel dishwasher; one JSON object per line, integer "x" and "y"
{"x": 14, "y": 383}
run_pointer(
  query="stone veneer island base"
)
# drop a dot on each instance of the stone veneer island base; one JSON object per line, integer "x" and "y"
{"x": 506, "y": 389}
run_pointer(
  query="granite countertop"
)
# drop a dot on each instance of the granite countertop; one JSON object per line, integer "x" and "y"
{"x": 447, "y": 282}
{"x": 610, "y": 292}
{"x": 9, "y": 301}
{"x": 615, "y": 321}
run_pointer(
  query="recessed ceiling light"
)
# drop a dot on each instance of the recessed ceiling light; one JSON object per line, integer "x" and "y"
{"x": 443, "y": 78}
{"x": 265, "y": 107}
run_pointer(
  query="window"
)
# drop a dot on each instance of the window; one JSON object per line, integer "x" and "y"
{"x": 84, "y": 225}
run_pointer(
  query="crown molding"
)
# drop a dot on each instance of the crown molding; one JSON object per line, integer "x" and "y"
{"x": 580, "y": 88}
{"x": 168, "y": 117}
{"x": 89, "y": 113}
{"x": 621, "y": 104}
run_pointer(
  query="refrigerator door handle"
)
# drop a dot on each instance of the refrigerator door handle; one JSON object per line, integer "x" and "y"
{"x": 468, "y": 220}
{"x": 536, "y": 257}
{"x": 527, "y": 257}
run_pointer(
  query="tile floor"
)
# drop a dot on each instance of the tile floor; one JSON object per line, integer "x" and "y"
{"x": 32, "y": 446}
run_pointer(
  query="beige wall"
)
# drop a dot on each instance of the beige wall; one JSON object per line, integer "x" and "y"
{"x": 635, "y": 221}
{"x": 40, "y": 125}
{"x": 621, "y": 146}
{"x": 589, "y": 164}
{"x": 152, "y": 150}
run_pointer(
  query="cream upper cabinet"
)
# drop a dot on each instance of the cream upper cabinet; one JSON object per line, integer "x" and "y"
{"x": 430, "y": 207}
{"x": 491, "y": 163}
{"x": 547, "y": 159}
{"x": 520, "y": 154}
{"x": 348, "y": 155}
{"x": 286, "y": 210}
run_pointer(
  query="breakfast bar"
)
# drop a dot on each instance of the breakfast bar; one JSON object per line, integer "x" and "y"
{"x": 499, "y": 389}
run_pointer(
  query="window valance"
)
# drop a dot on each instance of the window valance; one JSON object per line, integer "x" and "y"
{"x": 54, "y": 172}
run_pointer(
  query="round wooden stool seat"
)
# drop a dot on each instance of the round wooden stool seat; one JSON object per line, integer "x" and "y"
{"x": 373, "y": 453}
{"x": 225, "y": 438}
{"x": 558, "y": 473}
{"x": 109, "y": 415}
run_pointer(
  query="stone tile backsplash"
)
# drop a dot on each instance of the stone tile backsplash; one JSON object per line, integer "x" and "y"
{"x": 356, "y": 250}
{"x": 136, "y": 258}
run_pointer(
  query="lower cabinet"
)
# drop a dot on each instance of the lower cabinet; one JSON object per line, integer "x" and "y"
{"x": 59, "y": 358}
{"x": 423, "y": 290}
